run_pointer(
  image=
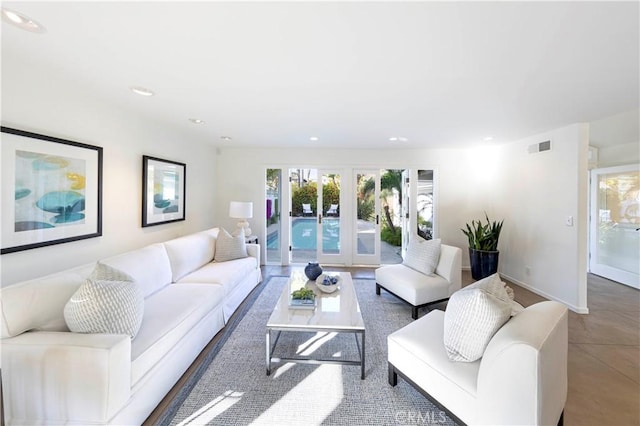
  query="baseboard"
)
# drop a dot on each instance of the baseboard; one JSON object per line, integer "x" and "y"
{"x": 576, "y": 309}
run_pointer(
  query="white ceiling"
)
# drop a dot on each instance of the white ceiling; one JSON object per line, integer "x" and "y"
{"x": 354, "y": 74}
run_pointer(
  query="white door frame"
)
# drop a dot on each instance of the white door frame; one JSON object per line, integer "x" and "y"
{"x": 630, "y": 230}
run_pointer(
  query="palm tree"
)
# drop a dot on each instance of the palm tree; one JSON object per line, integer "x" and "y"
{"x": 390, "y": 180}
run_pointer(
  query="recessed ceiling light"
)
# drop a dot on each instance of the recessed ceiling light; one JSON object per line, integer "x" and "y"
{"x": 314, "y": 138}
{"x": 487, "y": 138}
{"x": 22, "y": 21}
{"x": 225, "y": 138}
{"x": 142, "y": 91}
{"x": 196, "y": 121}
{"x": 398, "y": 139}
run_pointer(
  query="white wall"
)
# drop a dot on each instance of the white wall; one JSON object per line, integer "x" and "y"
{"x": 53, "y": 107}
{"x": 617, "y": 138}
{"x": 537, "y": 193}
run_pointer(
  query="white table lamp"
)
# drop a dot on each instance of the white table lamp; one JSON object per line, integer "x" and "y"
{"x": 242, "y": 210}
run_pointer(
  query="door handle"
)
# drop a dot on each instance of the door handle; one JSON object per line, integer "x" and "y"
{"x": 377, "y": 219}
{"x": 319, "y": 218}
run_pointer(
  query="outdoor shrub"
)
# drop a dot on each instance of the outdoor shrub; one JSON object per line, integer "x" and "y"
{"x": 366, "y": 209}
{"x": 308, "y": 194}
{"x": 393, "y": 237}
{"x": 330, "y": 194}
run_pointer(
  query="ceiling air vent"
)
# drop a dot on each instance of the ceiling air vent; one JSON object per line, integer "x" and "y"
{"x": 539, "y": 147}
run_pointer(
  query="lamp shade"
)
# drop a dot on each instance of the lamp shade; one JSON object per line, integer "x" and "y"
{"x": 241, "y": 209}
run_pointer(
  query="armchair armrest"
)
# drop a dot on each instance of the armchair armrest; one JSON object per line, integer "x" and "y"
{"x": 60, "y": 377}
{"x": 253, "y": 250}
{"x": 523, "y": 373}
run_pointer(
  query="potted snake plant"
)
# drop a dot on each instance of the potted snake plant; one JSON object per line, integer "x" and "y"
{"x": 483, "y": 246}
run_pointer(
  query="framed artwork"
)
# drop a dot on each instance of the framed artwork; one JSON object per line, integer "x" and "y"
{"x": 51, "y": 190}
{"x": 163, "y": 191}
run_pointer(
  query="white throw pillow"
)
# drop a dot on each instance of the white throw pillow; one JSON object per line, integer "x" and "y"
{"x": 422, "y": 255}
{"x": 109, "y": 301}
{"x": 229, "y": 247}
{"x": 473, "y": 315}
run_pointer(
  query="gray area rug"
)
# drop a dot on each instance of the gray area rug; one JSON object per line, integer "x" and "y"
{"x": 233, "y": 389}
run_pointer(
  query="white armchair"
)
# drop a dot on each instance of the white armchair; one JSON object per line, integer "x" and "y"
{"x": 421, "y": 290}
{"x": 520, "y": 380}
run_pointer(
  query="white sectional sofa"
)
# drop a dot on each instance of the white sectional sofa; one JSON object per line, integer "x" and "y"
{"x": 520, "y": 380}
{"x": 53, "y": 376}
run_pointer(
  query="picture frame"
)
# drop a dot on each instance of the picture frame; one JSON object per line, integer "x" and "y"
{"x": 163, "y": 191}
{"x": 51, "y": 190}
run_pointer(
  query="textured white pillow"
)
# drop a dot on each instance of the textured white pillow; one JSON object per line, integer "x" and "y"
{"x": 109, "y": 301}
{"x": 422, "y": 255}
{"x": 473, "y": 315}
{"x": 229, "y": 247}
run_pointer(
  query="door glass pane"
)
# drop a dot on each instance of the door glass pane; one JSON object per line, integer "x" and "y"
{"x": 331, "y": 220}
{"x": 618, "y": 239}
{"x": 391, "y": 193}
{"x": 274, "y": 235}
{"x": 425, "y": 204}
{"x": 366, "y": 213}
{"x": 304, "y": 190}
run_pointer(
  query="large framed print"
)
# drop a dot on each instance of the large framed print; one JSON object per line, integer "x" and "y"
{"x": 51, "y": 190}
{"x": 163, "y": 191}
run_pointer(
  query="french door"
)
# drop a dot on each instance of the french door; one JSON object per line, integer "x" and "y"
{"x": 331, "y": 230}
{"x": 346, "y": 216}
{"x": 615, "y": 224}
{"x": 366, "y": 243}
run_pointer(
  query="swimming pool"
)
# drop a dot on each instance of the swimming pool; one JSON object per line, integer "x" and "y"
{"x": 304, "y": 235}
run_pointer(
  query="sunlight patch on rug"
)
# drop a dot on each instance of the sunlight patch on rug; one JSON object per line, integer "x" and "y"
{"x": 321, "y": 389}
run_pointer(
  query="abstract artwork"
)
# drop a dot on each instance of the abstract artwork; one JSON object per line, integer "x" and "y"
{"x": 163, "y": 191}
{"x": 51, "y": 190}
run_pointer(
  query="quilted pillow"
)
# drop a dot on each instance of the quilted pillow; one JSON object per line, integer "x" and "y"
{"x": 422, "y": 255}
{"x": 109, "y": 301}
{"x": 229, "y": 247}
{"x": 473, "y": 315}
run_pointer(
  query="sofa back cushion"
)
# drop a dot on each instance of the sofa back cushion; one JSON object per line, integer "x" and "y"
{"x": 148, "y": 266}
{"x": 38, "y": 304}
{"x": 188, "y": 253}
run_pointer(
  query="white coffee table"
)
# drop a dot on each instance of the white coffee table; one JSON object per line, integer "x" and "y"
{"x": 336, "y": 312}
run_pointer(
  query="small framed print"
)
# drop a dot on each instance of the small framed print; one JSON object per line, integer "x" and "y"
{"x": 163, "y": 191}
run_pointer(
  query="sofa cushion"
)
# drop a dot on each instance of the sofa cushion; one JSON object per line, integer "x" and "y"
{"x": 109, "y": 302}
{"x": 228, "y": 274}
{"x": 188, "y": 253}
{"x": 169, "y": 315}
{"x": 422, "y": 255}
{"x": 148, "y": 266}
{"x": 230, "y": 247}
{"x": 474, "y": 314}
